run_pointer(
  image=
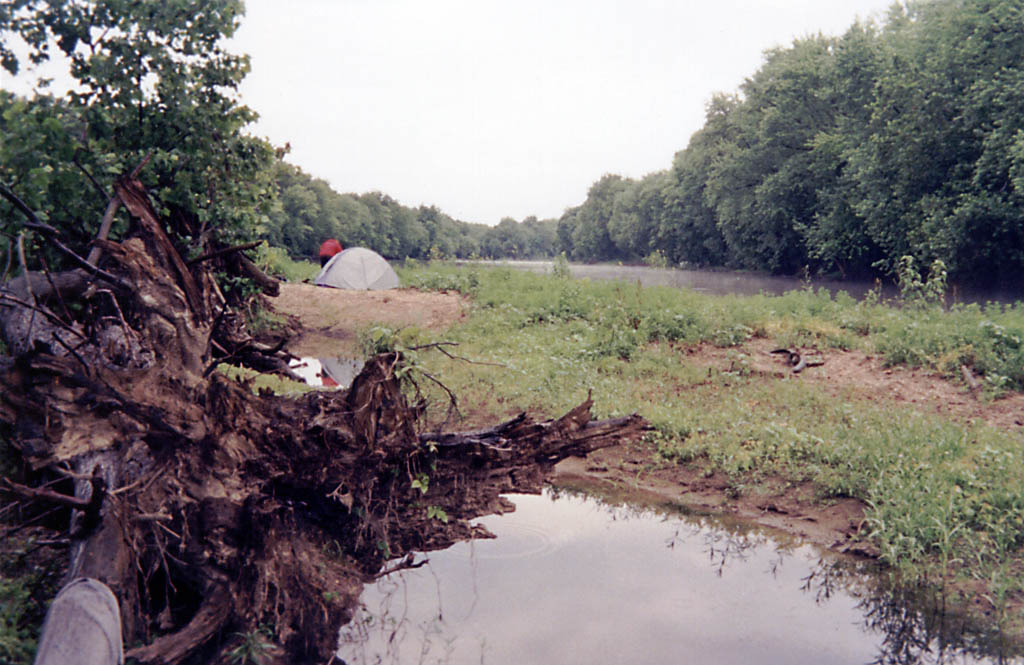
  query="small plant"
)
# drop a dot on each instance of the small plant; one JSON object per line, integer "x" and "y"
{"x": 255, "y": 644}
{"x": 917, "y": 292}
{"x": 421, "y": 483}
{"x": 275, "y": 261}
{"x": 656, "y": 259}
{"x": 17, "y": 645}
{"x": 560, "y": 267}
{"x": 437, "y": 513}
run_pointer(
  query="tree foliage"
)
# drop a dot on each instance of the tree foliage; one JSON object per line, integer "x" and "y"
{"x": 844, "y": 154}
{"x": 150, "y": 79}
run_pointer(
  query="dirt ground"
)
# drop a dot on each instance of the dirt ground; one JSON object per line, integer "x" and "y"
{"x": 330, "y": 318}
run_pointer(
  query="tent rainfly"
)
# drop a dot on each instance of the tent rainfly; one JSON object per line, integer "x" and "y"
{"x": 357, "y": 268}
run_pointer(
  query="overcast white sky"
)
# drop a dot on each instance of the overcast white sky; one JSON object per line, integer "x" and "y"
{"x": 490, "y": 109}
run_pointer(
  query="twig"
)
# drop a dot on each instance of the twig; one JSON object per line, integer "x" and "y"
{"x": 53, "y": 319}
{"x": 43, "y": 495}
{"x": 440, "y": 347}
{"x": 404, "y": 564}
{"x": 95, "y": 183}
{"x": 145, "y": 160}
{"x": 152, "y": 517}
{"x": 72, "y": 351}
{"x": 34, "y": 222}
{"x": 129, "y": 334}
{"x": 53, "y": 285}
{"x": 7, "y": 533}
{"x": 7, "y": 267}
{"x": 453, "y": 402}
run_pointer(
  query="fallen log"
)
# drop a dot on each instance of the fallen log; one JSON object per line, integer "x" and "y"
{"x": 223, "y": 511}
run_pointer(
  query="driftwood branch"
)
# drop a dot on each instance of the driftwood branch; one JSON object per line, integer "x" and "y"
{"x": 244, "y": 266}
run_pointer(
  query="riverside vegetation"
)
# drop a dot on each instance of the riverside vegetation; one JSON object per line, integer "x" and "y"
{"x": 943, "y": 497}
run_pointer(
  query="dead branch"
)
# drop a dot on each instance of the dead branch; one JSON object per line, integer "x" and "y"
{"x": 224, "y": 252}
{"x": 42, "y": 494}
{"x": 33, "y": 222}
{"x": 108, "y": 220}
{"x": 244, "y": 266}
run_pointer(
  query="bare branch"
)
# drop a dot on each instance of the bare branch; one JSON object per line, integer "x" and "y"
{"x": 225, "y": 251}
{"x": 42, "y": 494}
{"x": 35, "y": 224}
{"x": 440, "y": 347}
{"x": 108, "y": 219}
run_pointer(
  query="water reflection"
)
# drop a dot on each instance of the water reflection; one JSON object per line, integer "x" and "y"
{"x": 569, "y": 580}
{"x": 327, "y": 372}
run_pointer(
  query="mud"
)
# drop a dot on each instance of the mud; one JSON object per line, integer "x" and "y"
{"x": 330, "y": 318}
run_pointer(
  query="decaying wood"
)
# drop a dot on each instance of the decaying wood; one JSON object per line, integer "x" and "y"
{"x": 221, "y": 510}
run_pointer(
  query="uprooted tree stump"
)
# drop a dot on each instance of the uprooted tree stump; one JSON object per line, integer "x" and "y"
{"x": 211, "y": 511}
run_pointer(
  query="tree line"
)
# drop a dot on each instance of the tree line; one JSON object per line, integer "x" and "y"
{"x": 307, "y": 211}
{"x": 843, "y": 154}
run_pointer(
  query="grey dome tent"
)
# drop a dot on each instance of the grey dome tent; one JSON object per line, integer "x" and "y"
{"x": 357, "y": 268}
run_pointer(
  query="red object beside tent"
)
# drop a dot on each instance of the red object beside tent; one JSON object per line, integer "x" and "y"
{"x": 330, "y": 247}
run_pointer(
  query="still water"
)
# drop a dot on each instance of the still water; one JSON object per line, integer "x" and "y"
{"x": 571, "y": 580}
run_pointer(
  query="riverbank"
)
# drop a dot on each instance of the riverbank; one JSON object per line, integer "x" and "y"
{"x": 858, "y": 453}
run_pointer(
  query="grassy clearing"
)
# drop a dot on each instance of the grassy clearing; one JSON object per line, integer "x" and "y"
{"x": 945, "y": 499}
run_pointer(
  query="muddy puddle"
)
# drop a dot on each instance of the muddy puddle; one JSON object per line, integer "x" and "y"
{"x": 569, "y": 579}
{"x": 327, "y": 372}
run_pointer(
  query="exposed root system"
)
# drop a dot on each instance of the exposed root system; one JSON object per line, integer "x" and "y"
{"x": 212, "y": 511}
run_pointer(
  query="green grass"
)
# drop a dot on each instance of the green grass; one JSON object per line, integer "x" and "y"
{"x": 275, "y": 261}
{"x": 945, "y": 499}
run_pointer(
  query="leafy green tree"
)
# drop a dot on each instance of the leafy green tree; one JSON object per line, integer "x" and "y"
{"x": 836, "y": 236}
{"x": 636, "y": 214}
{"x": 934, "y": 175}
{"x": 764, "y": 185}
{"x": 540, "y": 236}
{"x": 564, "y": 231}
{"x": 590, "y": 239}
{"x": 688, "y": 229}
{"x": 151, "y": 78}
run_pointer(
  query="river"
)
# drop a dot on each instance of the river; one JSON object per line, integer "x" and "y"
{"x": 725, "y": 282}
